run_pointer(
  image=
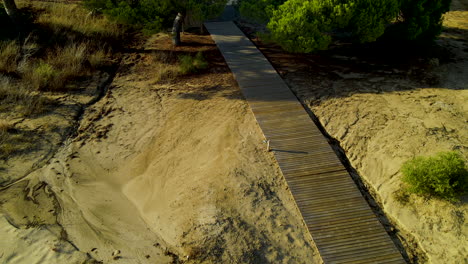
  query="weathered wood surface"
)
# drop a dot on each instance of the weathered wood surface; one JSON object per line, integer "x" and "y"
{"x": 339, "y": 219}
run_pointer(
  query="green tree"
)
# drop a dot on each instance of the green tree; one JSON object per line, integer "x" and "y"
{"x": 200, "y": 10}
{"x": 258, "y": 10}
{"x": 309, "y": 25}
{"x": 154, "y": 15}
{"x": 12, "y": 11}
{"x": 306, "y": 26}
{"x": 422, "y": 19}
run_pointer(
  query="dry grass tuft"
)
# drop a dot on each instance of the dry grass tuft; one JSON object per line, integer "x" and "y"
{"x": 58, "y": 67}
{"x": 73, "y": 17}
{"x": 5, "y": 126}
{"x": 19, "y": 100}
{"x": 65, "y": 45}
{"x": 163, "y": 67}
{"x": 9, "y": 55}
{"x": 167, "y": 67}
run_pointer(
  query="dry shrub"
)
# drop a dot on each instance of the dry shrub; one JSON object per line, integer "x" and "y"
{"x": 164, "y": 66}
{"x": 165, "y": 72}
{"x": 41, "y": 76}
{"x": 76, "y": 44}
{"x": 5, "y": 126}
{"x": 59, "y": 16}
{"x": 9, "y": 54}
{"x": 21, "y": 100}
{"x": 98, "y": 58}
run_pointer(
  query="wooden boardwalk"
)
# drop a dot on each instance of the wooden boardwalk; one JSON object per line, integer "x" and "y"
{"x": 341, "y": 223}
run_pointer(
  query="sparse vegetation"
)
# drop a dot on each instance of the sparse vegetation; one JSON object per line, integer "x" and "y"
{"x": 165, "y": 71}
{"x": 167, "y": 67}
{"x": 9, "y": 54}
{"x": 192, "y": 64}
{"x": 61, "y": 44}
{"x": 65, "y": 43}
{"x": 12, "y": 141}
{"x": 5, "y": 126}
{"x": 20, "y": 100}
{"x": 444, "y": 175}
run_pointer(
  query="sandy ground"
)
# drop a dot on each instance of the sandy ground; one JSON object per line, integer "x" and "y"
{"x": 46, "y": 132}
{"x": 158, "y": 173}
{"x": 383, "y": 111}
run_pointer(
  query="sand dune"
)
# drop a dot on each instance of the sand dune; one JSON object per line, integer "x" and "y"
{"x": 160, "y": 175}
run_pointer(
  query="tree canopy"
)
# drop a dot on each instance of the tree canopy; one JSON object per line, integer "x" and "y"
{"x": 309, "y": 25}
{"x": 155, "y": 15}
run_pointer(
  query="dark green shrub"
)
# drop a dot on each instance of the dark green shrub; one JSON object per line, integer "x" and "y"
{"x": 258, "y": 10}
{"x": 370, "y": 17}
{"x": 422, "y": 19}
{"x": 445, "y": 175}
{"x": 151, "y": 16}
{"x": 189, "y": 64}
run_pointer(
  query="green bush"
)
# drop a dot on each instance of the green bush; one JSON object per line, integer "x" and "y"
{"x": 149, "y": 15}
{"x": 445, "y": 175}
{"x": 258, "y": 10}
{"x": 189, "y": 64}
{"x": 43, "y": 76}
{"x": 306, "y": 26}
{"x": 153, "y": 16}
{"x": 422, "y": 19}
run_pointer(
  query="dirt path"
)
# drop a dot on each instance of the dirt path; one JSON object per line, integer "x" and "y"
{"x": 161, "y": 173}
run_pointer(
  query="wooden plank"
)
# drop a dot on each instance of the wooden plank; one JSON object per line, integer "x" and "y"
{"x": 338, "y": 218}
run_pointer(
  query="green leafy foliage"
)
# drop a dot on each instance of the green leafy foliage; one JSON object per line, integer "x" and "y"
{"x": 370, "y": 17}
{"x": 445, "y": 175}
{"x": 422, "y": 19}
{"x": 149, "y": 15}
{"x": 189, "y": 64}
{"x": 310, "y": 25}
{"x": 301, "y": 26}
{"x": 154, "y": 15}
{"x": 306, "y": 26}
{"x": 203, "y": 9}
{"x": 258, "y": 10}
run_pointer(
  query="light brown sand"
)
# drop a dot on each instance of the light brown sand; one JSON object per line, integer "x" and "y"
{"x": 159, "y": 174}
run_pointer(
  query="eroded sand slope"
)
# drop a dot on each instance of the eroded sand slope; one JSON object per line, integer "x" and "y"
{"x": 163, "y": 174}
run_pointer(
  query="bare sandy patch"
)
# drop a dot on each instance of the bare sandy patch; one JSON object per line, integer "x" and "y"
{"x": 172, "y": 172}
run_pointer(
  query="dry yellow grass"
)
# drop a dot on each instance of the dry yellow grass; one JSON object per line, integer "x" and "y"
{"x": 66, "y": 44}
{"x": 18, "y": 99}
{"x": 165, "y": 72}
{"x": 5, "y": 147}
{"x": 59, "y": 16}
{"x": 76, "y": 44}
{"x": 5, "y": 126}
{"x": 9, "y": 54}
